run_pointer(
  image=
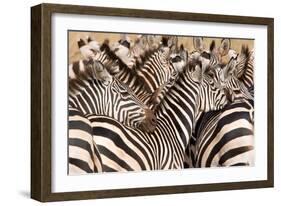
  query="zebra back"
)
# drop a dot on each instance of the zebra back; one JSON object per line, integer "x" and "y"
{"x": 83, "y": 154}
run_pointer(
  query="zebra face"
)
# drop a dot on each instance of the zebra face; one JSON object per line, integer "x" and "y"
{"x": 153, "y": 41}
{"x": 88, "y": 49}
{"x": 131, "y": 111}
{"x": 179, "y": 59}
{"x": 213, "y": 95}
{"x": 212, "y": 56}
{"x": 203, "y": 58}
{"x": 121, "y": 49}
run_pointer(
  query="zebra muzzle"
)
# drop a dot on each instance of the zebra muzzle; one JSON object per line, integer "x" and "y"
{"x": 149, "y": 123}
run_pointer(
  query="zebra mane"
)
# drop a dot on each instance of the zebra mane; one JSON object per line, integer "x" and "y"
{"x": 122, "y": 66}
{"x": 145, "y": 56}
{"x": 246, "y": 53}
{"x": 212, "y": 45}
{"x": 188, "y": 69}
{"x": 89, "y": 71}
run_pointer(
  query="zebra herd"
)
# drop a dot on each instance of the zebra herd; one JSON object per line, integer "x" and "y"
{"x": 149, "y": 104}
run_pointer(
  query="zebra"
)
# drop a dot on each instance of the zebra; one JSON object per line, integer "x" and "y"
{"x": 226, "y": 79}
{"x": 223, "y": 138}
{"x": 146, "y": 79}
{"x": 125, "y": 149}
{"x": 214, "y": 55}
{"x": 145, "y": 43}
{"x": 93, "y": 90}
{"x": 93, "y": 43}
{"x": 123, "y": 51}
{"x": 89, "y": 48}
{"x": 83, "y": 155}
{"x": 132, "y": 53}
{"x": 245, "y": 67}
{"x": 211, "y": 143}
{"x": 178, "y": 60}
{"x": 230, "y": 73}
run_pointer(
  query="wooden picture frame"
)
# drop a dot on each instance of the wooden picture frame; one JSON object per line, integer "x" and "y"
{"x": 41, "y": 98}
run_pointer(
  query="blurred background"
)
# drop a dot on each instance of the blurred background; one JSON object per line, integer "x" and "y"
{"x": 187, "y": 41}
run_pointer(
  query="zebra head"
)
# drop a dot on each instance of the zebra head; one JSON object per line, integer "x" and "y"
{"x": 88, "y": 49}
{"x": 122, "y": 50}
{"x": 179, "y": 59}
{"x": 157, "y": 69}
{"x": 232, "y": 82}
{"x": 94, "y": 45}
{"x": 93, "y": 90}
{"x": 212, "y": 95}
{"x": 153, "y": 41}
{"x": 144, "y": 44}
{"x": 245, "y": 61}
{"x": 213, "y": 55}
{"x": 132, "y": 111}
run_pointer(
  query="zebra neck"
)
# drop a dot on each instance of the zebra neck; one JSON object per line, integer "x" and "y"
{"x": 178, "y": 107}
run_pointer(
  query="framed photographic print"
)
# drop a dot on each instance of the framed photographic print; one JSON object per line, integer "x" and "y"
{"x": 130, "y": 102}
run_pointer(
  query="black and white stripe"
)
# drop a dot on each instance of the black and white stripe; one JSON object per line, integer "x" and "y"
{"x": 83, "y": 155}
{"x": 224, "y": 138}
{"x": 124, "y": 149}
{"x": 245, "y": 67}
{"x": 147, "y": 78}
{"x": 95, "y": 91}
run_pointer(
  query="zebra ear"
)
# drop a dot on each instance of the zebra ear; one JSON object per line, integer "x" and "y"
{"x": 140, "y": 41}
{"x": 105, "y": 46}
{"x": 198, "y": 43}
{"x": 81, "y": 43}
{"x": 229, "y": 69}
{"x": 89, "y": 39}
{"x": 212, "y": 46}
{"x": 224, "y": 47}
{"x": 183, "y": 53}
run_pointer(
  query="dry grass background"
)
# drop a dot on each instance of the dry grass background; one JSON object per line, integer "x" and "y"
{"x": 74, "y": 53}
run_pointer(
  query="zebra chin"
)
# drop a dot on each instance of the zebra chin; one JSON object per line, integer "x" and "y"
{"x": 148, "y": 124}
